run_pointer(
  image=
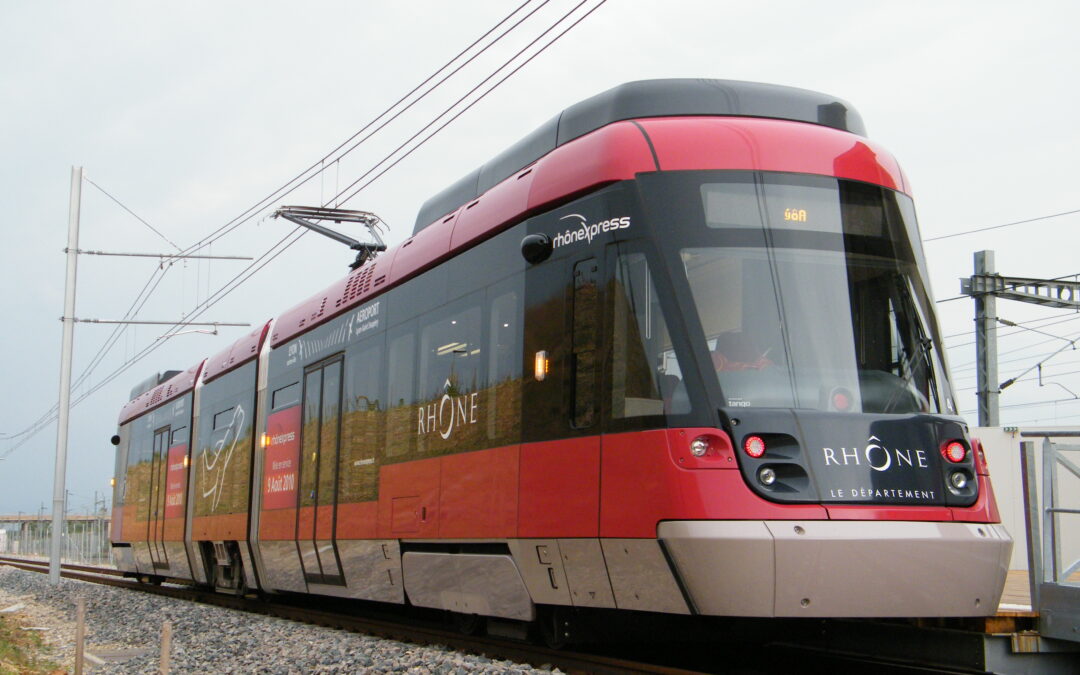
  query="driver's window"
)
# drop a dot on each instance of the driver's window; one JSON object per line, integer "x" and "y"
{"x": 646, "y": 378}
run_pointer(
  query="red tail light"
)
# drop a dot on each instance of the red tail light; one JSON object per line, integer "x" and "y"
{"x": 954, "y": 451}
{"x": 841, "y": 399}
{"x": 754, "y": 446}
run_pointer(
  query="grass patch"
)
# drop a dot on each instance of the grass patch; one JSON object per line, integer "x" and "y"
{"x": 20, "y": 651}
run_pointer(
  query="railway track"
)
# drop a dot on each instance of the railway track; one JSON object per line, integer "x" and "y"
{"x": 427, "y": 632}
{"x": 701, "y": 653}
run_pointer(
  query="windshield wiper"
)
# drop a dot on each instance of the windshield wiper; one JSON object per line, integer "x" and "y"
{"x": 907, "y": 370}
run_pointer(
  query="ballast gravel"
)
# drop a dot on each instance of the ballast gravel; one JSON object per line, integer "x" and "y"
{"x": 207, "y": 639}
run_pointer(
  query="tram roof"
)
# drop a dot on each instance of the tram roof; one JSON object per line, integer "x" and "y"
{"x": 645, "y": 99}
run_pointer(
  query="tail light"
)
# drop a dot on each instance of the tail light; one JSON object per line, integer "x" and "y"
{"x": 841, "y": 399}
{"x": 954, "y": 451}
{"x": 754, "y": 446}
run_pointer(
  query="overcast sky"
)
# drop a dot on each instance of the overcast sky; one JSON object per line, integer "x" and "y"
{"x": 189, "y": 113}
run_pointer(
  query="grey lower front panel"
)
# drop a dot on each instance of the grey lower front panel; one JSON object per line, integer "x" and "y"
{"x": 839, "y": 568}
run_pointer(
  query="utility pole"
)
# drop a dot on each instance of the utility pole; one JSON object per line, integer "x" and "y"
{"x": 985, "y": 286}
{"x": 60, "y": 474}
{"x": 69, "y": 320}
{"x": 986, "y": 346}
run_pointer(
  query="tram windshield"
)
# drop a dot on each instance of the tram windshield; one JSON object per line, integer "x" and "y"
{"x": 809, "y": 293}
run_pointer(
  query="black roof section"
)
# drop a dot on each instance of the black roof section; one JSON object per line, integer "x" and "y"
{"x": 646, "y": 98}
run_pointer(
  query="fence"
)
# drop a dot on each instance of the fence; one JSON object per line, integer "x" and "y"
{"x": 85, "y": 540}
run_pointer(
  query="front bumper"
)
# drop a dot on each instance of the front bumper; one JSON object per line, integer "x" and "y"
{"x": 839, "y": 568}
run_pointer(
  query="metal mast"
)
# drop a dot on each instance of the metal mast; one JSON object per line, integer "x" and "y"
{"x": 68, "y": 319}
{"x": 985, "y": 286}
{"x": 986, "y": 345}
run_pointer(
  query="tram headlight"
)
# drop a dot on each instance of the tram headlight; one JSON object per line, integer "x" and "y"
{"x": 958, "y": 479}
{"x": 699, "y": 446}
{"x": 766, "y": 476}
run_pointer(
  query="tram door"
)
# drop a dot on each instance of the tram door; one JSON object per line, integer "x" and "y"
{"x": 155, "y": 535}
{"x": 319, "y": 446}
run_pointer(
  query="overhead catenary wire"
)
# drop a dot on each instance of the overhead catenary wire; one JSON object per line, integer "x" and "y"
{"x": 140, "y": 301}
{"x": 997, "y": 227}
{"x": 1050, "y": 321}
{"x": 117, "y": 332}
{"x": 257, "y": 266}
{"x": 1030, "y": 404}
{"x": 339, "y": 192}
{"x": 1035, "y": 378}
{"x": 320, "y": 165}
{"x": 475, "y": 101}
{"x": 49, "y": 416}
{"x": 135, "y": 215}
{"x": 1023, "y": 329}
{"x": 971, "y": 364}
{"x": 968, "y": 375}
{"x": 266, "y": 258}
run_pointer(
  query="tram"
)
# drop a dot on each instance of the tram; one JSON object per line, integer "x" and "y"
{"x": 673, "y": 352}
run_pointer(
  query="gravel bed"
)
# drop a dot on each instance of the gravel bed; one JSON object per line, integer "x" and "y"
{"x": 210, "y": 639}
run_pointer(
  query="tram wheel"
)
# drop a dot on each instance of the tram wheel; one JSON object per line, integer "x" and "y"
{"x": 555, "y": 626}
{"x": 468, "y": 624}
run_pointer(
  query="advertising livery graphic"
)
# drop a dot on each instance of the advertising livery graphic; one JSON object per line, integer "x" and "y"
{"x": 582, "y": 230}
{"x": 282, "y": 459}
{"x": 216, "y": 461}
{"x": 891, "y": 467}
{"x": 359, "y": 322}
{"x": 446, "y": 413}
{"x": 175, "y": 479}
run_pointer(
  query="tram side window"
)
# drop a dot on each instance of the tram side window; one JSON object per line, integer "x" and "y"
{"x": 309, "y": 436}
{"x": 586, "y": 337}
{"x": 138, "y": 479}
{"x": 179, "y": 437}
{"x": 451, "y": 377}
{"x": 223, "y": 418}
{"x": 285, "y": 397}
{"x": 120, "y": 469}
{"x": 401, "y": 423}
{"x": 504, "y": 366}
{"x": 224, "y": 443}
{"x": 363, "y": 428}
{"x": 645, "y": 375}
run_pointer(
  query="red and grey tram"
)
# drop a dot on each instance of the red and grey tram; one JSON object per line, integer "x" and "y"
{"x": 672, "y": 352}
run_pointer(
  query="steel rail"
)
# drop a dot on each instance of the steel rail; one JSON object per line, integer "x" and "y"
{"x": 489, "y": 646}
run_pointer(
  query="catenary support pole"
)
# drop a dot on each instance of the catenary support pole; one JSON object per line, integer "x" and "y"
{"x": 68, "y": 319}
{"x": 986, "y": 346}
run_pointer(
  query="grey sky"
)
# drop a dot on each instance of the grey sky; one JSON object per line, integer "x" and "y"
{"x": 191, "y": 112}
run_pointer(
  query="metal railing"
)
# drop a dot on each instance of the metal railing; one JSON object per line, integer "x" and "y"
{"x": 1053, "y": 595}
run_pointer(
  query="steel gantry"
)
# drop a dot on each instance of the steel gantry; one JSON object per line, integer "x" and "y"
{"x": 985, "y": 286}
